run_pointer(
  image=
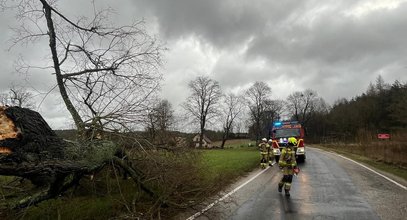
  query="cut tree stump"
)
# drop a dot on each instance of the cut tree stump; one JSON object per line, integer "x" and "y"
{"x": 29, "y": 148}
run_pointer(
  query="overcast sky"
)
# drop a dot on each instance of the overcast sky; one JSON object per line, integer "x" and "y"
{"x": 333, "y": 47}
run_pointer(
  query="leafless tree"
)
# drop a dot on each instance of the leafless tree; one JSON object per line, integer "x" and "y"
{"x": 17, "y": 96}
{"x": 256, "y": 96}
{"x": 301, "y": 105}
{"x": 272, "y": 111}
{"x": 232, "y": 108}
{"x": 380, "y": 84}
{"x": 203, "y": 101}
{"x": 150, "y": 124}
{"x": 105, "y": 73}
{"x": 160, "y": 120}
{"x": 165, "y": 115}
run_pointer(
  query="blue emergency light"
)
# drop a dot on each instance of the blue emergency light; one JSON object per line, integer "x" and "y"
{"x": 277, "y": 123}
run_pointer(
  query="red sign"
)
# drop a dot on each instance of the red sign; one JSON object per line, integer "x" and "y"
{"x": 383, "y": 136}
{"x": 291, "y": 126}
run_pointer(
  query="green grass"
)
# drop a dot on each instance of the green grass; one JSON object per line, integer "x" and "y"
{"x": 389, "y": 168}
{"x": 229, "y": 163}
{"x": 75, "y": 208}
{"x": 236, "y": 143}
{"x": 99, "y": 199}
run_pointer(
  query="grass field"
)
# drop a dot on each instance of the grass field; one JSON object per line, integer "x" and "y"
{"x": 229, "y": 163}
{"x": 236, "y": 143}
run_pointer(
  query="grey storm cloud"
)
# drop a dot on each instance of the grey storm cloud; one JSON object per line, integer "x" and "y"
{"x": 222, "y": 23}
{"x": 335, "y": 38}
{"x": 334, "y": 47}
{"x": 319, "y": 43}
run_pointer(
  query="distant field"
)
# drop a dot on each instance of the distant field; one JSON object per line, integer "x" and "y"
{"x": 235, "y": 143}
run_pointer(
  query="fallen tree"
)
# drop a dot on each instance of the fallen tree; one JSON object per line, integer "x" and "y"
{"x": 30, "y": 149}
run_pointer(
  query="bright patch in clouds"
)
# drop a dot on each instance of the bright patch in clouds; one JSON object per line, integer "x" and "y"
{"x": 366, "y": 7}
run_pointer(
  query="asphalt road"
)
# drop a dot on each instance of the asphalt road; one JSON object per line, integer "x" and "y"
{"x": 328, "y": 187}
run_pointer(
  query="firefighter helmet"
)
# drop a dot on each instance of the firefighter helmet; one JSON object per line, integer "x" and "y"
{"x": 292, "y": 141}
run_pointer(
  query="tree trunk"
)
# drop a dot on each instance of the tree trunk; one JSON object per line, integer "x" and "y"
{"x": 201, "y": 137}
{"x": 222, "y": 146}
{"x": 225, "y": 137}
{"x": 52, "y": 44}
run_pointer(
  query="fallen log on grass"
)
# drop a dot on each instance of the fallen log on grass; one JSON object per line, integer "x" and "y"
{"x": 29, "y": 148}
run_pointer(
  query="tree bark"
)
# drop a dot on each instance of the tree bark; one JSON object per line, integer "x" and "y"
{"x": 52, "y": 44}
{"x": 224, "y": 138}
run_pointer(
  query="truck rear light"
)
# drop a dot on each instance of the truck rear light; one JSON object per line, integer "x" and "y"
{"x": 275, "y": 145}
{"x": 301, "y": 143}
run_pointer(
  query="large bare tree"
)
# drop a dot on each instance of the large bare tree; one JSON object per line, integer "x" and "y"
{"x": 105, "y": 73}
{"x": 232, "y": 108}
{"x": 272, "y": 111}
{"x": 203, "y": 101}
{"x": 301, "y": 105}
{"x": 256, "y": 96}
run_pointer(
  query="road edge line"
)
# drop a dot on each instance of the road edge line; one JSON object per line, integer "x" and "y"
{"x": 368, "y": 168}
{"x": 192, "y": 217}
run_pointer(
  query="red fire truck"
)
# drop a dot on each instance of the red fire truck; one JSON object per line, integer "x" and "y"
{"x": 280, "y": 133}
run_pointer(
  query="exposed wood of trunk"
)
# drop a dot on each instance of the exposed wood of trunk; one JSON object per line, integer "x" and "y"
{"x": 35, "y": 140}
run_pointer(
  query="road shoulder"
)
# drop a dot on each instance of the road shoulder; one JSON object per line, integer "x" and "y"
{"x": 388, "y": 199}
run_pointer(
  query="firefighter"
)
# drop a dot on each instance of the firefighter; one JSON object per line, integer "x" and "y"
{"x": 287, "y": 163}
{"x": 270, "y": 155}
{"x": 293, "y": 140}
{"x": 263, "y": 152}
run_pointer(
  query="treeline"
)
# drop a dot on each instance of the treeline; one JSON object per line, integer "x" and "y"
{"x": 381, "y": 109}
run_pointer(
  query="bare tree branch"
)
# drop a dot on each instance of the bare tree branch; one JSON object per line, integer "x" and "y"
{"x": 112, "y": 71}
{"x": 233, "y": 106}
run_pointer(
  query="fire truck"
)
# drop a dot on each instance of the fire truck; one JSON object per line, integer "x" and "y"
{"x": 281, "y": 131}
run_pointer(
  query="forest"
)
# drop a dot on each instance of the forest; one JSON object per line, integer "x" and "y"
{"x": 381, "y": 109}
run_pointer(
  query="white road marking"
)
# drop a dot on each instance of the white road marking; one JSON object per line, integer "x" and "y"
{"x": 227, "y": 195}
{"x": 387, "y": 178}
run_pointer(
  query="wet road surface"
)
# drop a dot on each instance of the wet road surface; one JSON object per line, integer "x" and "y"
{"x": 328, "y": 187}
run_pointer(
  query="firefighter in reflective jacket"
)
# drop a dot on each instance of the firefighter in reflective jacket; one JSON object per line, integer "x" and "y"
{"x": 263, "y": 147}
{"x": 287, "y": 163}
{"x": 270, "y": 155}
